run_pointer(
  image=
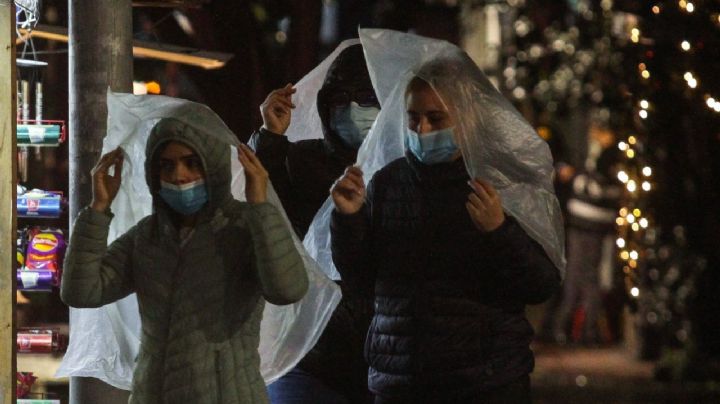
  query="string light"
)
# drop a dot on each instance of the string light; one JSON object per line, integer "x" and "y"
{"x": 644, "y": 223}
{"x": 625, "y": 255}
{"x": 646, "y": 186}
{"x": 644, "y": 104}
{"x": 635, "y": 227}
{"x": 690, "y": 7}
{"x": 630, "y": 153}
{"x": 623, "y": 177}
{"x": 622, "y": 146}
{"x": 685, "y": 45}
{"x": 647, "y": 171}
{"x": 637, "y": 212}
{"x": 630, "y": 218}
{"x": 620, "y": 242}
{"x": 631, "y": 186}
{"x": 634, "y": 254}
{"x": 632, "y": 140}
{"x": 656, "y": 9}
{"x": 643, "y": 114}
{"x": 635, "y": 292}
{"x": 645, "y": 74}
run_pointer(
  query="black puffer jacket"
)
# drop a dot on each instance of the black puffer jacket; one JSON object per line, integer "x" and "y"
{"x": 449, "y": 319}
{"x": 302, "y": 174}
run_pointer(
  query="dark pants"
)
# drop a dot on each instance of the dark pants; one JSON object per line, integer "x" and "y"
{"x": 517, "y": 392}
{"x": 581, "y": 286}
{"x": 301, "y": 387}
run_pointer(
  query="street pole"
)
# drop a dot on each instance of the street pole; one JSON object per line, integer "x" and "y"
{"x": 100, "y": 56}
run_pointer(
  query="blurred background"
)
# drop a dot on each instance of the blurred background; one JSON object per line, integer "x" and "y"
{"x": 625, "y": 92}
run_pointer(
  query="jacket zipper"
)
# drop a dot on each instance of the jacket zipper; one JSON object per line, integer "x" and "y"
{"x": 218, "y": 377}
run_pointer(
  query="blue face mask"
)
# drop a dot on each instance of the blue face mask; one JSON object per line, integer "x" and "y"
{"x": 352, "y": 123}
{"x": 433, "y": 147}
{"x": 185, "y": 199}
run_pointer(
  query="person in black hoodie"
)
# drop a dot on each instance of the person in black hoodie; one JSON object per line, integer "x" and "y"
{"x": 450, "y": 271}
{"x": 334, "y": 370}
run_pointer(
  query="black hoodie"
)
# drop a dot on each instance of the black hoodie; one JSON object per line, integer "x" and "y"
{"x": 302, "y": 174}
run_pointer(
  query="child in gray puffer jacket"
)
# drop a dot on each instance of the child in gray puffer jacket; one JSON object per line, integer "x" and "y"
{"x": 202, "y": 264}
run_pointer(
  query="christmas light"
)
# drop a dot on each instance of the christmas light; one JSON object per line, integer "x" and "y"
{"x": 631, "y": 186}
{"x": 635, "y": 227}
{"x": 623, "y": 212}
{"x": 685, "y": 45}
{"x": 630, "y": 153}
{"x": 643, "y": 114}
{"x": 625, "y": 255}
{"x": 634, "y": 254}
{"x": 623, "y": 177}
{"x": 656, "y": 9}
{"x": 635, "y": 292}
{"x": 620, "y": 221}
{"x": 632, "y": 140}
{"x": 622, "y": 146}
{"x": 711, "y": 102}
{"x": 645, "y": 74}
{"x": 644, "y": 223}
{"x": 647, "y": 171}
{"x": 690, "y": 7}
{"x": 644, "y": 104}
{"x": 630, "y": 218}
{"x": 646, "y": 186}
{"x": 637, "y": 212}
{"x": 620, "y": 242}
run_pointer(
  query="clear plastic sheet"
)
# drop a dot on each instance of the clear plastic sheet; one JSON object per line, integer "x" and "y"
{"x": 104, "y": 342}
{"x": 496, "y": 142}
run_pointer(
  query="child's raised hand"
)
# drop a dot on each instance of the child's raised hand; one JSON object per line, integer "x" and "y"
{"x": 256, "y": 177}
{"x": 348, "y": 192}
{"x": 276, "y": 110}
{"x": 484, "y": 206}
{"x": 106, "y": 186}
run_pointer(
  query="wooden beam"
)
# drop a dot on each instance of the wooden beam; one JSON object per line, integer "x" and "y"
{"x": 142, "y": 49}
{"x": 8, "y": 170}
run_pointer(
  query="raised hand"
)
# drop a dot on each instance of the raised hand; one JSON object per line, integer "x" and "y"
{"x": 256, "y": 177}
{"x": 106, "y": 186}
{"x": 348, "y": 192}
{"x": 276, "y": 110}
{"x": 484, "y": 206}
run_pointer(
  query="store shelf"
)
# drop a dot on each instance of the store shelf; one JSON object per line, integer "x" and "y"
{"x": 43, "y": 366}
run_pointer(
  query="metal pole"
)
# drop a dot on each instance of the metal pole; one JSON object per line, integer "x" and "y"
{"x": 100, "y": 50}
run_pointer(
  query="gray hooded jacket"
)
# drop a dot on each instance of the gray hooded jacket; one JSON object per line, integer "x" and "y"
{"x": 200, "y": 302}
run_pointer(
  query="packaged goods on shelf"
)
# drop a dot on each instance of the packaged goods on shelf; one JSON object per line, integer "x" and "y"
{"x": 40, "y": 340}
{"x": 39, "y": 203}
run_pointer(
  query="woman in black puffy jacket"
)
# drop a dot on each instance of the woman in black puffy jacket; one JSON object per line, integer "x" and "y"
{"x": 450, "y": 270}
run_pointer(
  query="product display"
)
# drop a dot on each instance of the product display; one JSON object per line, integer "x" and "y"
{"x": 40, "y": 340}
{"x": 39, "y": 203}
{"x": 39, "y": 135}
{"x": 25, "y": 381}
{"x": 40, "y": 253}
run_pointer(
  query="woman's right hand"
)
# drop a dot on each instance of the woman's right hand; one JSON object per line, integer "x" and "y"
{"x": 348, "y": 192}
{"x": 276, "y": 110}
{"x": 106, "y": 186}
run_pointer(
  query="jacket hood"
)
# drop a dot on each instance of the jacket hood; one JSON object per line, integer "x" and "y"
{"x": 214, "y": 154}
{"x": 348, "y": 72}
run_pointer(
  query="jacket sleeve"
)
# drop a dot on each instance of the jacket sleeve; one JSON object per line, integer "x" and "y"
{"x": 350, "y": 243}
{"x": 280, "y": 267}
{"x": 94, "y": 273}
{"x": 521, "y": 269}
{"x": 272, "y": 150}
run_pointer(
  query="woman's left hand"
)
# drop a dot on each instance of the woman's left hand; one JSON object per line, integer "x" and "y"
{"x": 484, "y": 206}
{"x": 256, "y": 177}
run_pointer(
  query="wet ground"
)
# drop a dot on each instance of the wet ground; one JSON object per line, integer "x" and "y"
{"x": 607, "y": 375}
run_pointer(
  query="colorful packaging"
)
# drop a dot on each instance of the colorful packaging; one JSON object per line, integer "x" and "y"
{"x": 46, "y": 250}
{"x": 40, "y": 340}
{"x": 25, "y": 381}
{"x": 38, "y": 203}
{"x": 37, "y": 280}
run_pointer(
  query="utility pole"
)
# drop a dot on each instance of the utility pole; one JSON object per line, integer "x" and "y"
{"x": 8, "y": 156}
{"x": 100, "y": 56}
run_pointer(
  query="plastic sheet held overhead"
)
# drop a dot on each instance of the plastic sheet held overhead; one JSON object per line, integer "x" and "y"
{"x": 104, "y": 342}
{"x": 497, "y": 143}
